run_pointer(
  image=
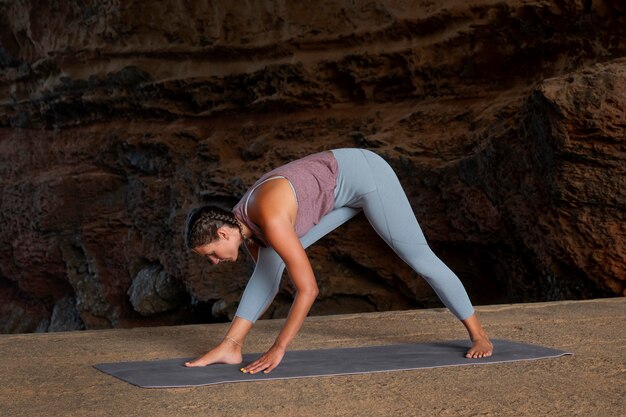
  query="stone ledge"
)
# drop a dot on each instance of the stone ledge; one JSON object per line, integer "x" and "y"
{"x": 51, "y": 373}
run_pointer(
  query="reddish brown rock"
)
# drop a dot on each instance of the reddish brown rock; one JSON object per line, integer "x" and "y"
{"x": 574, "y": 176}
{"x": 503, "y": 120}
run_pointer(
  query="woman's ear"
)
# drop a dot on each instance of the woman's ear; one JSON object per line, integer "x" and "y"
{"x": 222, "y": 233}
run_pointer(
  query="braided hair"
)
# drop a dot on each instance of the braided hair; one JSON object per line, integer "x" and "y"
{"x": 202, "y": 224}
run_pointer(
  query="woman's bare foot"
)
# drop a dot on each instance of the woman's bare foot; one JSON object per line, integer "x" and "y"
{"x": 225, "y": 352}
{"x": 481, "y": 348}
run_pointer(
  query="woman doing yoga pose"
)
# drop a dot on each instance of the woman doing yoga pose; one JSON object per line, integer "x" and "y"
{"x": 290, "y": 208}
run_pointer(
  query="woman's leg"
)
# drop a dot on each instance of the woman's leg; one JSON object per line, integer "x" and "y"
{"x": 262, "y": 285}
{"x": 369, "y": 182}
{"x": 265, "y": 281}
{"x": 387, "y": 208}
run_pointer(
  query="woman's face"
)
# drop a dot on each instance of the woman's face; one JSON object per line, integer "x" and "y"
{"x": 225, "y": 249}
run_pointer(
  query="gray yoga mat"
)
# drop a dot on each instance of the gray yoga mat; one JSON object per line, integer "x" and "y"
{"x": 171, "y": 373}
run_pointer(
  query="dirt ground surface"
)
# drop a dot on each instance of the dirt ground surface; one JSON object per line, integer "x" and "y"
{"x": 51, "y": 374}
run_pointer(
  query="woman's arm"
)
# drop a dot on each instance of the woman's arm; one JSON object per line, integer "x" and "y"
{"x": 274, "y": 209}
{"x": 286, "y": 243}
{"x": 281, "y": 235}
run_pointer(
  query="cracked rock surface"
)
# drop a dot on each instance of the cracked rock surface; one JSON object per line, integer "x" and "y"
{"x": 503, "y": 120}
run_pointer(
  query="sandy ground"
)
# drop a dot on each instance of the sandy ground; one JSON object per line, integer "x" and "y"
{"x": 51, "y": 374}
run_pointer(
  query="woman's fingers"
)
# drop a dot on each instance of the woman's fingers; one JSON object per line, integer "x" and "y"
{"x": 257, "y": 366}
{"x": 270, "y": 368}
{"x": 267, "y": 362}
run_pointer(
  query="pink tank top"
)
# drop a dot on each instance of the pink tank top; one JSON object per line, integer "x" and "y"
{"x": 312, "y": 178}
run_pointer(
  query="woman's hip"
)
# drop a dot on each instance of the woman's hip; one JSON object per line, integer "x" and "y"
{"x": 355, "y": 176}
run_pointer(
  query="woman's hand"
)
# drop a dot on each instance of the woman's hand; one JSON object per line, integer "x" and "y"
{"x": 267, "y": 362}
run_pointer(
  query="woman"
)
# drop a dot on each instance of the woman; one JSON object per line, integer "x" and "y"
{"x": 291, "y": 207}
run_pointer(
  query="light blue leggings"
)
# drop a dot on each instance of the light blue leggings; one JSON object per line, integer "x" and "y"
{"x": 365, "y": 181}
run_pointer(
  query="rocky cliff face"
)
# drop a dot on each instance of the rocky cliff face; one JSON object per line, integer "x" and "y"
{"x": 505, "y": 122}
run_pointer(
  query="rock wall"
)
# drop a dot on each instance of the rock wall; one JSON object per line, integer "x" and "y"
{"x": 504, "y": 121}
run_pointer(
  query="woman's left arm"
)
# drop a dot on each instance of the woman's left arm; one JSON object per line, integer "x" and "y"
{"x": 281, "y": 236}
